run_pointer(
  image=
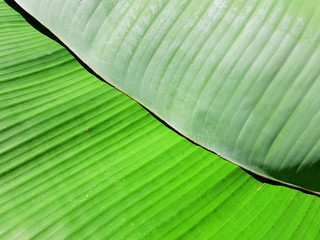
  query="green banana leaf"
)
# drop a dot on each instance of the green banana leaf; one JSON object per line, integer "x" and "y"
{"x": 240, "y": 78}
{"x": 81, "y": 160}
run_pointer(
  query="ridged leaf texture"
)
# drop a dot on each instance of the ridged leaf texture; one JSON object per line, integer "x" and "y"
{"x": 80, "y": 160}
{"x": 240, "y": 78}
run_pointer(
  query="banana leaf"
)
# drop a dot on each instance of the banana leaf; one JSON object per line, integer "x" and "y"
{"x": 81, "y": 160}
{"x": 240, "y": 78}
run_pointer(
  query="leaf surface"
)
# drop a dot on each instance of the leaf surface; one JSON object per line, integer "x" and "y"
{"x": 81, "y": 160}
{"x": 240, "y": 78}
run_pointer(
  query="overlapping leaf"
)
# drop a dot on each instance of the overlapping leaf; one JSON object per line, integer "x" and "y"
{"x": 79, "y": 159}
{"x": 239, "y": 77}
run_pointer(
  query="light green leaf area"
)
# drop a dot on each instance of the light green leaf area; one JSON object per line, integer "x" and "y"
{"x": 81, "y": 160}
{"x": 240, "y": 78}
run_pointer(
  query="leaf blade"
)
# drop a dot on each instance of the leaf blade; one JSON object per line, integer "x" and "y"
{"x": 72, "y": 181}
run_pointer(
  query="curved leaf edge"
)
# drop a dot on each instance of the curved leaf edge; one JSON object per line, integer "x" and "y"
{"x": 264, "y": 178}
